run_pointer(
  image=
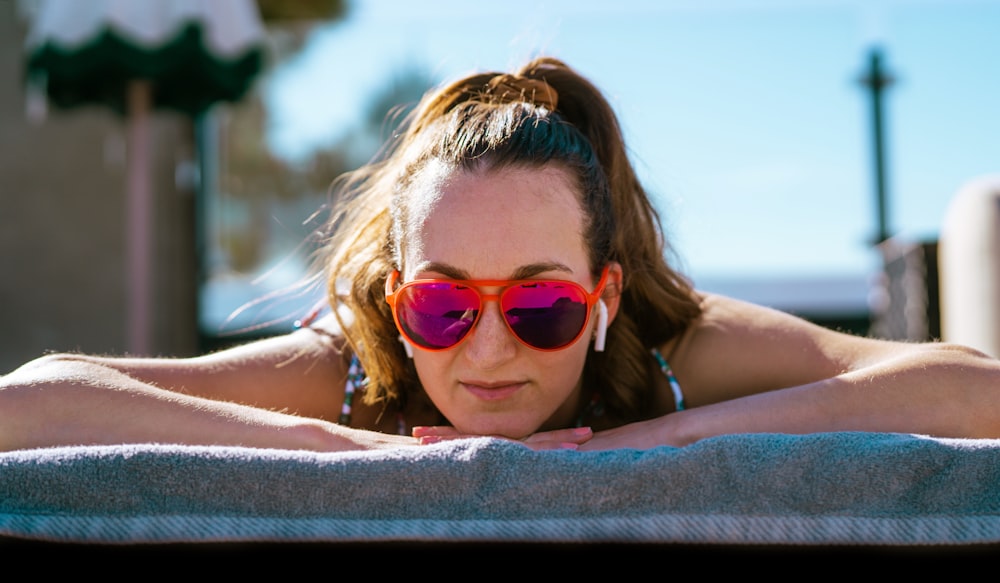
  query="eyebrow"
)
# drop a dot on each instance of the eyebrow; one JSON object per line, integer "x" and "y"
{"x": 522, "y": 272}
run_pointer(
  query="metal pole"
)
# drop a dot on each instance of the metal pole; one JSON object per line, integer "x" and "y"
{"x": 876, "y": 80}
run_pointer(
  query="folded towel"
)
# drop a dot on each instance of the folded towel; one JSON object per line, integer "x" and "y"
{"x": 819, "y": 489}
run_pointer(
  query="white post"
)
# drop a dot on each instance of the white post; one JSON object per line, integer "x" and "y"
{"x": 969, "y": 266}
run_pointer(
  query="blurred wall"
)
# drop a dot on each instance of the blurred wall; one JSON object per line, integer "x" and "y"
{"x": 62, "y": 231}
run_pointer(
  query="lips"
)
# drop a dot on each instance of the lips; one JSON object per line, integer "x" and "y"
{"x": 493, "y": 391}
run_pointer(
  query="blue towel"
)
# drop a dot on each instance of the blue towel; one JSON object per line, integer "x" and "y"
{"x": 819, "y": 489}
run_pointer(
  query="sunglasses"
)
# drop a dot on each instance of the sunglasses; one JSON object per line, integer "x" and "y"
{"x": 437, "y": 314}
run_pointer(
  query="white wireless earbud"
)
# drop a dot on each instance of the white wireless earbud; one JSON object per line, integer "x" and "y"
{"x": 602, "y": 326}
{"x": 406, "y": 346}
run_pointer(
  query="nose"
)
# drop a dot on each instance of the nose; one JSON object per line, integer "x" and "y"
{"x": 490, "y": 343}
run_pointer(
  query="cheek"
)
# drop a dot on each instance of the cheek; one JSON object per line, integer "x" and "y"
{"x": 434, "y": 370}
{"x": 564, "y": 368}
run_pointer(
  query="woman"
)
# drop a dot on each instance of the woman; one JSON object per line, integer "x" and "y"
{"x": 500, "y": 271}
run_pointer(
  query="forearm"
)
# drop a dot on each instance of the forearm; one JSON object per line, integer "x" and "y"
{"x": 82, "y": 403}
{"x": 942, "y": 391}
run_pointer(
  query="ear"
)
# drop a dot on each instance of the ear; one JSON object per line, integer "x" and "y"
{"x": 607, "y": 306}
{"x": 613, "y": 290}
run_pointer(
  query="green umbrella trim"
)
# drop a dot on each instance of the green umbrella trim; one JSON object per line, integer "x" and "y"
{"x": 186, "y": 75}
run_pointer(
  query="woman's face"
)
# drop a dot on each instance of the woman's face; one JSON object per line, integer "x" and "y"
{"x": 512, "y": 223}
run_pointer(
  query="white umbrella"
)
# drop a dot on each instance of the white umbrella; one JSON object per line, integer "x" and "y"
{"x": 136, "y": 56}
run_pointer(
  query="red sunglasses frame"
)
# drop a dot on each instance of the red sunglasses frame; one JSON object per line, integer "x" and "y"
{"x": 391, "y": 296}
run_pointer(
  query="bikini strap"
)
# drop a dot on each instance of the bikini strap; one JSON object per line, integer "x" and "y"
{"x": 357, "y": 379}
{"x": 675, "y": 387}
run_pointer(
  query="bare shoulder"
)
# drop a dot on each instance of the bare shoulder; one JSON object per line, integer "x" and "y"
{"x": 736, "y": 348}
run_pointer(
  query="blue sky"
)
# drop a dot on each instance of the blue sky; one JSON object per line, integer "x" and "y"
{"x": 745, "y": 119}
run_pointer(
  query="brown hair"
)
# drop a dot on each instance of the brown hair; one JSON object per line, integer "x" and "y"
{"x": 543, "y": 113}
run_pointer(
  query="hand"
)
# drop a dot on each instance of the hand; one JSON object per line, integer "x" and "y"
{"x": 350, "y": 439}
{"x": 556, "y": 439}
{"x": 639, "y": 435}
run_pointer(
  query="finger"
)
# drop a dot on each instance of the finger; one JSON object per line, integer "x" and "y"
{"x": 429, "y": 439}
{"x": 575, "y": 435}
{"x": 434, "y": 430}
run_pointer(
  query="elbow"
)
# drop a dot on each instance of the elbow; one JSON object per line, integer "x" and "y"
{"x": 962, "y": 364}
{"x": 953, "y": 351}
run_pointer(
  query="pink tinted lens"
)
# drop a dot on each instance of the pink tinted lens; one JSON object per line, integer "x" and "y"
{"x": 437, "y": 315}
{"x": 545, "y": 314}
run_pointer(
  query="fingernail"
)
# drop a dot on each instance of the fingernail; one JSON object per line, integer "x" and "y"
{"x": 568, "y": 445}
{"x": 582, "y": 431}
{"x": 429, "y": 439}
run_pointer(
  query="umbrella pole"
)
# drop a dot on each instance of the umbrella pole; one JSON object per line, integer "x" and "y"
{"x": 139, "y": 217}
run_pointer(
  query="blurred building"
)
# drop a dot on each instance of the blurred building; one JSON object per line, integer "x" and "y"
{"x": 907, "y": 303}
{"x": 62, "y": 224}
